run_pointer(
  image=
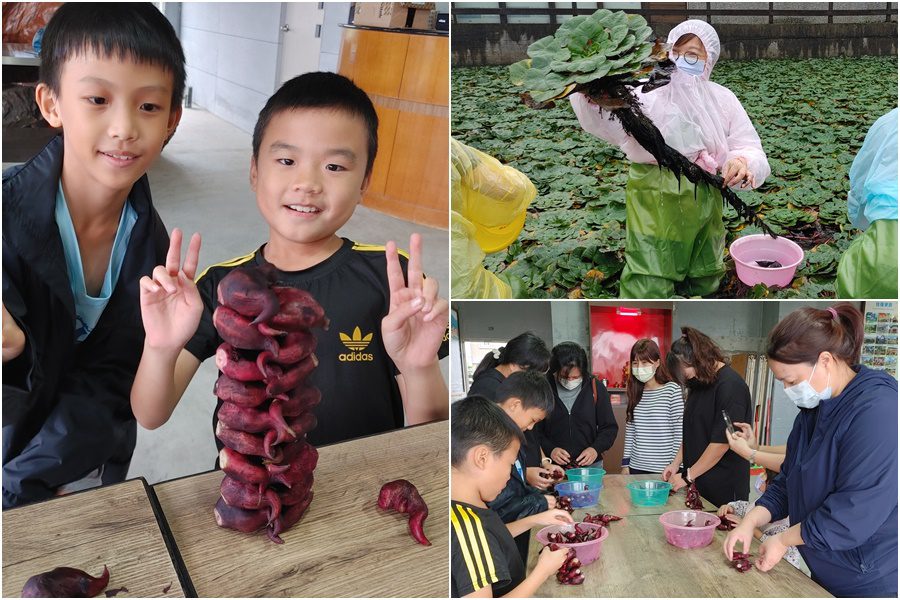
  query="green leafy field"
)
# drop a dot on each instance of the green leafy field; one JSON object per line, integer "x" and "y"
{"x": 812, "y": 116}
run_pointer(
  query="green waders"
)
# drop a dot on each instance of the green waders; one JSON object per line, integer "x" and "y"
{"x": 868, "y": 269}
{"x": 674, "y": 237}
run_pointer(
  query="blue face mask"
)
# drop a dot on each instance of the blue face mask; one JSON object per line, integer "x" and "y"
{"x": 695, "y": 69}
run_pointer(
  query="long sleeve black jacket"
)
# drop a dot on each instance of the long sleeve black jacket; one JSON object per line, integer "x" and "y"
{"x": 66, "y": 406}
{"x": 591, "y": 422}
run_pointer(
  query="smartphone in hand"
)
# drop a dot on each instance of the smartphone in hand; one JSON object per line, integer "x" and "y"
{"x": 728, "y": 424}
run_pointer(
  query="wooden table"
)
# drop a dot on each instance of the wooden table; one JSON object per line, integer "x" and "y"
{"x": 114, "y": 525}
{"x": 636, "y": 560}
{"x": 344, "y": 545}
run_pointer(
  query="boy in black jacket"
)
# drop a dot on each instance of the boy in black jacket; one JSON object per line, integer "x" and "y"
{"x": 79, "y": 231}
{"x": 527, "y": 399}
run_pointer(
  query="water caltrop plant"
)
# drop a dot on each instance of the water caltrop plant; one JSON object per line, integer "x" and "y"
{"x": 584, "y": 48}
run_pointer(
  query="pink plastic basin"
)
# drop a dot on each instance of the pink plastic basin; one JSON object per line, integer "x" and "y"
{"x": 679, "y": 534}
{"x": 747, "y": 250}
{"x": 587, "y": 552}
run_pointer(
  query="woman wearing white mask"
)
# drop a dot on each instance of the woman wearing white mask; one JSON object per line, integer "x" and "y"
{"x": 675, "y": 235}
{"x": 581, "y": 426}
{"x": 653, "y": 416}
{"x": 838, "y": 481}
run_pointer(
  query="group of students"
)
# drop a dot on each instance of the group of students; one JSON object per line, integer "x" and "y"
{"x": 828, "y": 496}
{"x": 104, "y": 325}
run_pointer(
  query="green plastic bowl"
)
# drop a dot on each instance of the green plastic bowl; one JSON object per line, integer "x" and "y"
{"x": 649, "y": 492}
{"x": 586, "y": 475}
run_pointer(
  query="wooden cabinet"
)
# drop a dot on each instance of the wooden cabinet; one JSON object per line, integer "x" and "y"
{"x": 407, "y": 77}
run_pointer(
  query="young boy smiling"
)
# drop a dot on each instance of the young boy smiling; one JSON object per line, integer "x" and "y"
{"x": 79, "y": 230}
{"x": 313, "y": 150}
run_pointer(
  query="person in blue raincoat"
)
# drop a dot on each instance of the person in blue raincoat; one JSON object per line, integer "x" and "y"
{"x": 838, "y": 482}
{"x": 868, "y": 269}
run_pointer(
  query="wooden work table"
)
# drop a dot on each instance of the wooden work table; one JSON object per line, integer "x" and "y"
{"x": 636, "y": 560}
{"x": 344, "y": 545}
{"x": 115, "y": 525}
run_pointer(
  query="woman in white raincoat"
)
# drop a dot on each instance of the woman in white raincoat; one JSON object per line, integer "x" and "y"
{"x": 675, "y": 235}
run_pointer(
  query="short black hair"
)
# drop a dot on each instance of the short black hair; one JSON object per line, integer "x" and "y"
{"x": 567, "y": 355}
{"x": 476, "y": 421}
{"x": 531, "y": 387}
{"x": 320, "y": 90}
{"x": 123, "y": 30}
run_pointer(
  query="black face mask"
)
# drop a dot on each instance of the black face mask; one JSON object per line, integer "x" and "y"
{"x": 693, "y": 383}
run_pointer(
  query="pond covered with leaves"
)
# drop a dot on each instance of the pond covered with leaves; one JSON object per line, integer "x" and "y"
{"x": 812, "y": 116}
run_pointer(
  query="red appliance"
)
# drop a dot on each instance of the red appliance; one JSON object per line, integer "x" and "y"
{"x": 614, "y": 330}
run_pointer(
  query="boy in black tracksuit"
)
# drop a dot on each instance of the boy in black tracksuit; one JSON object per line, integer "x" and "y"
{"x": 484, "y": 441}
{"x": 313, "y": 149}
{"x": 79, "y": 230}
{"x": 525, "y": 397}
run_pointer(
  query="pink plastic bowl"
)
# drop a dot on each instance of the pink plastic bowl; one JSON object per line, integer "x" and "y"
{"x": 587, "y": 552}
{"x": 747, "y": 250}
{"x": 698, "y": 535}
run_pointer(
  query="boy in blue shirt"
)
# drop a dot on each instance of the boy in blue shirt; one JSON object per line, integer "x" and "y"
{"x": 79, "y": 230}
{"x": 313, "y": 150}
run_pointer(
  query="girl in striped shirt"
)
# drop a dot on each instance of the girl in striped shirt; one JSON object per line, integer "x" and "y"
{"x": 653, "y": 416}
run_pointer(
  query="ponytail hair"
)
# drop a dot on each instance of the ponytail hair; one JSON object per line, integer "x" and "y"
{"x": 807, "y": 332}
{"x": 643, "y": 349}
{"x": 526, "y": 350}
{"x": 694, "y": 349}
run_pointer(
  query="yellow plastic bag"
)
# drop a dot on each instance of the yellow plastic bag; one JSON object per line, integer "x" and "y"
{"x": 488, "y": 204}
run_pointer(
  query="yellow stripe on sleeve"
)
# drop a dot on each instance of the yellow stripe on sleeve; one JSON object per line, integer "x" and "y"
{"x": 473, "y": 540}
{"x": 374, "y": 248}
{"x": 463, "y": 544}
{"x": 228, "y": 263}
{"x": 487, "y": 554}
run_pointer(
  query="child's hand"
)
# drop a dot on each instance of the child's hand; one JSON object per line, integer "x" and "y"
{"x": 170, "y": 303}
{"x": 554, "y": 516}
{"x": 727, "y": 513}
{"x": 538, "y": 477}
{"x": 13, "y": 337}
{"x": 416, "y": 323}
{"x": 550, "y": 561}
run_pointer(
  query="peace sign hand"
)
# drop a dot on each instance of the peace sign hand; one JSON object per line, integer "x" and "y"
{"x": 416, "y": 322}
{"x": 170, "y": 303}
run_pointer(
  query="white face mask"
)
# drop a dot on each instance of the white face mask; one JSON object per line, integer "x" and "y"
{"x": 644, "y": 374}
{"x": 571, "y": 384}
{"x": 805, "y": 396}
